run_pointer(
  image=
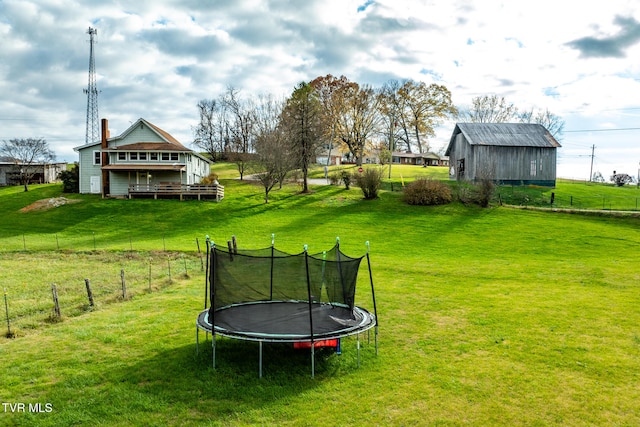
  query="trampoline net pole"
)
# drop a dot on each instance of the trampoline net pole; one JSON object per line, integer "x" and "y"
{"x": 313, "y": 358}
{"x": 373, "y": 297}
{"x": 206, "y": 272}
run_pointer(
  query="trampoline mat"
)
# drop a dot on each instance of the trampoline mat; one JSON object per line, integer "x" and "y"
{"x": 287, "y": 321}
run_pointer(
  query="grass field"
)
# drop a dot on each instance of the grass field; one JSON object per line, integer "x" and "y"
{"x": 494, "y": 316}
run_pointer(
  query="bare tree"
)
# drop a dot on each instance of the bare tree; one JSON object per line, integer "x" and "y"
{"x": 241, "y": 120}
{"x": 273, "y": 153}
{"x": 27, "y": 154}
{"x": 272, "y": 160}
{"x": 489, "y": 109}
{"x": 553, "y": 123}
{"x": 302, "y": 121}
{"x": 211, "y": 133}
{"x": 391, "y": 106}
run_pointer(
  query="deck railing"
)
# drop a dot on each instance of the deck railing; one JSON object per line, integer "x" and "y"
{"x": 183, "y": 191}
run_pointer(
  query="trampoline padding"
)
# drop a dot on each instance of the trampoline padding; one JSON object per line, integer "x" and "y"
{"x": 287, "y": 321}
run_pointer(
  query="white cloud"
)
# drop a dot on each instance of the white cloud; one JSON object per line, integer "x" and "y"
{"x": 156, "y": 59}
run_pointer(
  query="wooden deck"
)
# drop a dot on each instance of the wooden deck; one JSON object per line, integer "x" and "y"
{"x": 182, "y": 191}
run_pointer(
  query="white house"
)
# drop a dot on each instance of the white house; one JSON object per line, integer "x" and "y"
{"x": 143, "y": 155}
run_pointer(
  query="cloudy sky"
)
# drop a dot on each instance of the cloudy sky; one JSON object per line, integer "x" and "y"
{"x": 157, "y": 58}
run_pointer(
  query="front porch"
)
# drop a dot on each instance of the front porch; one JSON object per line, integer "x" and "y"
{"x": 182, "y": 191}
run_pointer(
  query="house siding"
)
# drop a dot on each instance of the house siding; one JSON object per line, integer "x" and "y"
{"x": 88, "y": 169}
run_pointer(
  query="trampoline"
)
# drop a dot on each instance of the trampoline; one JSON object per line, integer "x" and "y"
{"x": 266, "y": 295}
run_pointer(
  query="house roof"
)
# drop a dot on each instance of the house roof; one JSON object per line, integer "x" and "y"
{"x": 505, "y": 135}
{"x": 169, "y": 144}
{"x": 164, "y": 135}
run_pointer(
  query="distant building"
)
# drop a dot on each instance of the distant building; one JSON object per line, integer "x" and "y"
{"x": 43, "y": 173}
{"x": 419, "y": 159}
{"x": 507, "y": 153}
{"x": 143, "y": 155}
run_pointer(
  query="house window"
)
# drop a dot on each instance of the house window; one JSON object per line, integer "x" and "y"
{"x": 97, "y": 158}
{"x": 174, "y": 156}
{"x": 122, "y": 156}
{"x": 534, "y": 168}
{"x": 143, "y": 156}
{"x": 153, "y": 156}
{"x": 165, "y": 156}
{"x": 133, "y": 156}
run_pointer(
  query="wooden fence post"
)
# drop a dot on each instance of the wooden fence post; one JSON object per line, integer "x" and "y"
{"x": 202, "y": 261}
{"x": 169, "y": 267}
{"x": 124, "y": 286}
{"x": 6, "y": 308}
{"x": 56, "y": 304}
{"x": 184, "y": 259}
{"x": 89, "y": 293}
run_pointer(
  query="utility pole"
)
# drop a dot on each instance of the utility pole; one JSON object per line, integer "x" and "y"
{"x": 92, "y": 133}
{"x": 593, "y": 148}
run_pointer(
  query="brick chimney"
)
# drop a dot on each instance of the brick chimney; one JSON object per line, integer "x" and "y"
{"x": 105, "y": 156}
{"x": 105, "y": 133}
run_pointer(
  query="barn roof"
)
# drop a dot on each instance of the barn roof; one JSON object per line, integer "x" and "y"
{"x": 505, "y": 135}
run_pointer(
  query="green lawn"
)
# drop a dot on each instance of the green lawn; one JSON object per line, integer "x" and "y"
{"x": 494, "y": 316}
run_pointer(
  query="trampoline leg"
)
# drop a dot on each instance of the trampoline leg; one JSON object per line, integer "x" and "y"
{"x": 375, "y": 337}
{"x": 197, "y": 339}
{"x": 213, "y": 347}
{"x": 358, "y": 345}
{"x": 260, "y": 359}
{"x": 313, "y": 360}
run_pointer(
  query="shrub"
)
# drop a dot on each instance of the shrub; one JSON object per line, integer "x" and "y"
{"x": 334, "y": 178}
{"x": 70, "y": 179}
{"x": 209, "y": 179}
{"x": 482, "y": 192}
{"x": 485, "y": 191}
{"x": 346, "y": 178}
{"x": 427, "y": 192}
{"x": 369, "y": 181}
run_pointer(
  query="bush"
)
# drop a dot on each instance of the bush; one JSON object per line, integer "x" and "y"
{"x": 335, "y": 178}
{"x": 369, "y": 181}
{"x": 427, "y": 192}
{"x": 481, "y": 193}
{"x": 485, "y": 191}
{"x": 70, "y": 179}
{"x": 209, "y": 179}
{"x": 345, "y": 176}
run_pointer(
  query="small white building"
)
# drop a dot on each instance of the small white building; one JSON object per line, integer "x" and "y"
{"x": 143, "y": 154}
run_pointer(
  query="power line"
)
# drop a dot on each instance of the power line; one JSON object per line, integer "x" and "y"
{"x": 599, "y": 130}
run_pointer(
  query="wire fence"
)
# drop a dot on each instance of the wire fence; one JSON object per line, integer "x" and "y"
{"x": 47, "y": 287}
{"x": 92, "y": 241}
{"x": 552, "y": 200}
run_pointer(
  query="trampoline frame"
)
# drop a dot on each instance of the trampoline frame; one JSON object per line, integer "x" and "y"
{"x": 366, "y": 321}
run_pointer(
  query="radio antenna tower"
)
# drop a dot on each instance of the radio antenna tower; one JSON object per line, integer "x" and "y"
{"x": 92, "y": 134}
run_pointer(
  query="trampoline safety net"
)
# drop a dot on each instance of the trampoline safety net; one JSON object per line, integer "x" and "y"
{"x": 245, "y": 276}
